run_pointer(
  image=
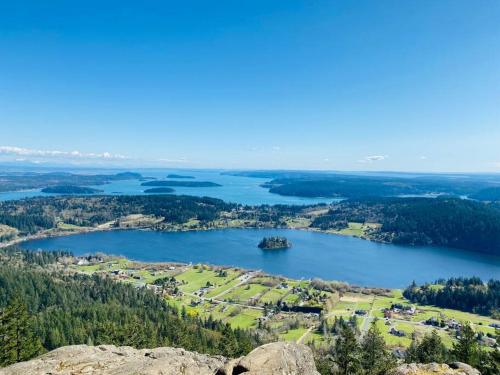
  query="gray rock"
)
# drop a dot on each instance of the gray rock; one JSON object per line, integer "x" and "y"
{"x": 276, "y": 358}
{"x": 457, "y": 368}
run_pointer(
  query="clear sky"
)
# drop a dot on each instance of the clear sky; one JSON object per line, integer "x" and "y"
{"x": 341, "y": 85}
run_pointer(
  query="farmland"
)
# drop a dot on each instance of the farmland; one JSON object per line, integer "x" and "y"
{"x": 293, "y": 310}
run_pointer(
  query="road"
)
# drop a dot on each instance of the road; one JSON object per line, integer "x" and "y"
{"x": 244, "y": 279}
{"x": 368, "y": 320}
{"x": 306, "y": 333}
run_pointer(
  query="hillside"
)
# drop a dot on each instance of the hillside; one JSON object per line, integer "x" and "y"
{"x": 450, "y": 222}
{"x": 67, "y": 308}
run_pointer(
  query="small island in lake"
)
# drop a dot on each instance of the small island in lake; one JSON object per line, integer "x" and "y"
{"x": 70, "y": 189}
{"x": 179, "y": 176}
{"x": 181, "y": 183}
{"x": 274, "y": 243}
{"x": 159, "y": 190}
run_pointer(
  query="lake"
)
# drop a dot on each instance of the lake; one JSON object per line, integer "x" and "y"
{"x": 235, "y": 189}
{"x": 313, "y": 254}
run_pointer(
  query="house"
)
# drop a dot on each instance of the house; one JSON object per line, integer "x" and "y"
{"x": 396, "y": 332}
{"x": 453, "y": 324}
{"x": 432, "y": 321}
{"x": 388, "y": 314}
{"x": 410, "y": 311}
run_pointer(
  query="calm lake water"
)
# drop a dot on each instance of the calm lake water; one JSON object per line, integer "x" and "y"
{"x": 313, "y": 254}
{"x": 234, "y": 189}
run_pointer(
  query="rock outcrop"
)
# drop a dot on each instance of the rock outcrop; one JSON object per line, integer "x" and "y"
{"x": 456, "y": 368}
{"x": 272, "y": 359}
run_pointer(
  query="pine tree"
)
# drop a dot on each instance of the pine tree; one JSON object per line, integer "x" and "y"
{"x": 347, "y": 352}
{"x": 432, "y": 349}
{"x": 375, "y": 358}
{"x": 466, "y": 349}
{"x": 17, "y": 339}
{"x": 412, "y": 352}
{"x": 490, "y": 363}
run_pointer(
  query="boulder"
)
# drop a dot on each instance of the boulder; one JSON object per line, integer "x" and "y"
{"x": 277, "y": 359}
{"x": 456, "y": 368}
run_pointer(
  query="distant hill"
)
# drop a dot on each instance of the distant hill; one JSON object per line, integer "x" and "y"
{"x": 361, "y": 185}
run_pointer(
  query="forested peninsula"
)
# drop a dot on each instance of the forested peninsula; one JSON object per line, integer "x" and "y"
{"x": 24, "y": 181}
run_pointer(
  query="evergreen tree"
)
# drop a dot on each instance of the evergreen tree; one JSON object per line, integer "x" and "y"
{"x": 17, "y": 338}
{"x": 411, "y": 354}
{"x": 430, "y": 349}
{"x": 490, "y": 363}
{"x": 466, "y": 349}
{"x": 347, "y": 352}
{"x": 375, "y": 358}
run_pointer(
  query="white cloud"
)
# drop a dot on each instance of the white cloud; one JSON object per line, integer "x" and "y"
{"x": 423, "y": 157}
{"x": 372, "y": 158}
{"x": 20, "y": 151}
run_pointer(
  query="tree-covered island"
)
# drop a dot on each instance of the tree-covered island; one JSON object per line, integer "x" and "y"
{"x": 159, "y": 190}
{"x": 197, "y": 184}
{"x": 274, "y": 243}
{"x": 70, "y": 190}
{"x": 179, "y": 176}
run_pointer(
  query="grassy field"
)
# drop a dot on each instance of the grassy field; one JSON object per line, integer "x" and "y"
{"x": 355, "y": 229}
{"x": 293, "y": 334}
{"x": 246, "y": 292}
{"x": 7, "y": 233}
{"x": 243, "y": 298}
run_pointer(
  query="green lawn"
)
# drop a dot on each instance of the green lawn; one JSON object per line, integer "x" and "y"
{"x": 195, "y": 279}
{"x": 222, "y": 288}
{"x": 293, "y": 334}
{"x": 274, "y": 295}
{"x": 244, "y": 292}
{"x": 246, "y": 318}
{"x": 392, "y": 340}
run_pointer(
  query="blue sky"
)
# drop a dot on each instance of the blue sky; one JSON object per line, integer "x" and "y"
{"x": 340, "y": 85}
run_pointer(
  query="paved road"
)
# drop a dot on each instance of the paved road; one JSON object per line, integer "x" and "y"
{"x": 368, "y": 319}
{"x": 244, "y": 279}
